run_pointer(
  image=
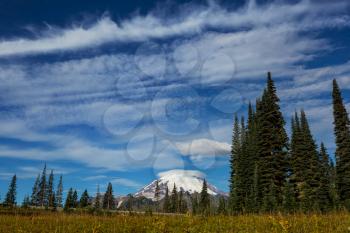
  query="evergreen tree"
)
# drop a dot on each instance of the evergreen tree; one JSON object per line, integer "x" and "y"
{"x": 26, "y": 202}
{"x": 108, "y": 199}
{"x": 43, "y": 188}
{"x": 98, "y": 198}
{"x": 342, "y": 153}
{"x": 204, "y": 199}
{"x": 222, "y": 206}
{"x": 235, "y": 183}
{"x": 69, "y": 200}
{"x": 35, "y": 192}
{"x": 129, "y": 202}
{"x": 157, "y": 194}
{"x": 84, "y": 199}
{"x": 59, "y": 192}
{"x": 10, "y": 199}
{"x": 167, "y": 204}
{"x": 312, "y": 173}
{"x": 325, "y": 198}
{"x": 272, "y": 144}
{"x": 289, "y": 203}
{"x": 50, "y": 191}
{"x": 195, "y": 204}
{"x": 75, "y": 199}
{"x": 174, "y": 200}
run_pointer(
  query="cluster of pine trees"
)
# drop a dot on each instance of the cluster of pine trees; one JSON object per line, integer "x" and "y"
{"x": 270, "y": 173}
{"x": 177, "y": 203}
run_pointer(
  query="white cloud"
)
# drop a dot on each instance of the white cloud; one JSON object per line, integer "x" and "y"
{"x": 204, "y": 147}
{"x": 126, "y": 182}
{"x": 194, "y": 21}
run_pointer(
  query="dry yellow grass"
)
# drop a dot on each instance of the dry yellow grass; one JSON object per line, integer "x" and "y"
{"x": 64, "y": 223}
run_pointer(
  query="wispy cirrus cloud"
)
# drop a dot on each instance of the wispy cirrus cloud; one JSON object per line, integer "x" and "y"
{"x": 193, "y": 21}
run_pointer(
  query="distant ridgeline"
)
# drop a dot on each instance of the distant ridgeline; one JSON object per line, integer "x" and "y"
{"x": 271, "y": 173}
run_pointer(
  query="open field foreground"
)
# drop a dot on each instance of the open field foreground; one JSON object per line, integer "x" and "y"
{"x": 59, "y": 222}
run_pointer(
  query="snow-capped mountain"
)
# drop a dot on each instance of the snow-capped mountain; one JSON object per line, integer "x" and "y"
{"x": 185, "y": 180}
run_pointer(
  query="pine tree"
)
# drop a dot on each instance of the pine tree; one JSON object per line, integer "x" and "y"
{"x": 235, "y": 180}
{"x": 289, "y": 203}
{"x": 167, "y": 204}
{"x": 59, "y": 193}
{"x": 195, "y": 204}
{"x": 10, "y": 199}
{"x": 157, "y": 194}
{"x": 75, "y": 199}
{"x": 69, "y": 200}
{"x": 342, "y": 153}
{"x": 222, "y": 206}
{"x": 312, "y": 173}
{"x": 35, "y": 192}
{"x": 43, "y": 188}
{"x": 204, "y": 199}
{"x": 98, "y": 198}
{"x": 50, "y": 191}
{"x": 84, "y": 199}
{"x": 272, "y": 144}
{"x": 26, "y": 202}
{"x": 108, "y": 199}
{"x": 174, "y": 200}
{"x": 325, "y": 198}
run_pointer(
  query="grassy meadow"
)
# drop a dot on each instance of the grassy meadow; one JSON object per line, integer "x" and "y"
{"x": 64, "y": 223}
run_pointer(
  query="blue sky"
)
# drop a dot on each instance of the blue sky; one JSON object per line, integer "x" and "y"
{"x": 103, "y": 91}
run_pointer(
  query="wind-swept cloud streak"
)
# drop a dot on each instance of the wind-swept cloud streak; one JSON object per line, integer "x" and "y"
{"x": 194, "y": 21}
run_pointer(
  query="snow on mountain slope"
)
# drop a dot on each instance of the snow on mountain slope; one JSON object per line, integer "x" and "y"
{"x": 185, "y": 180}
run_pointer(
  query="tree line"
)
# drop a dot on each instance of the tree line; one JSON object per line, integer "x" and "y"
{"x": 270, "y": 172}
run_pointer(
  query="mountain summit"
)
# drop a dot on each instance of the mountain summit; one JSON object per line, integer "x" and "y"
{"x": 186, "y": 180}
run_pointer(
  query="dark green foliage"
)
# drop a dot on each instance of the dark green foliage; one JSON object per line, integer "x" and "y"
{"x": 98, "y": 198}
{"x": 108, "y": 198}
{"x": 272, "y": 145}
{"x": 174, "y": 200}
{"x": 204, "y": 202}
{"x": 42, "y": 193}
{"x": 59, "y": 192}
{"x": 342, "y": 153}
{"x": 222, "y": 206}
{"x": 167, "y": 204}
{"x": 195, "y": 204}
{"x": 325, "y": 198}
{"x": 26, "y": 202}
{"x": 50, "y": 191}
{"x": 289, "y": 203}
{"x": 69, "y": 200}
{"x": 35, "y": 192}
{"x": 75, "y": 199}
{"x": 10, "y": 199}
{"x": 84, "y": 199}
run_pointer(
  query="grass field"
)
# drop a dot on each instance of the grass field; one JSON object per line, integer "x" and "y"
{"x": 60, "y": 222}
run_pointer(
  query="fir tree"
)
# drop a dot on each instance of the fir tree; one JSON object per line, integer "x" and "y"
{"x": 43, "y": 188}
{"x": 50, "y": 191}
{"x": 195, "y": 204}
{"x": 272, "y": 144}
{"x": 222, "y": 206}
{"x": 289, "y": 203}
{"x": 174, "y": 200}
{"x": 98, "y": 198}
{"x": 235, "y": 183}
{"x": 26, "y": 202}
{"x": 69, "y": 200}
{"x": 10, "y": 199}
{"x": 75, "y": 199}
{"x": 59, "y": 192}
{"x": 204, "y": 199}
{"x": 157, "y": 194}
{"x": 325, "y": 198}
{"x": 35, "y": 192}
{"x": 167, "y": 204}
{"x": 84, "y": 199}
{"x": 342, "y": 153}
{"x": 108, "y": 198}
